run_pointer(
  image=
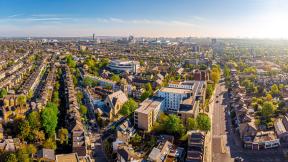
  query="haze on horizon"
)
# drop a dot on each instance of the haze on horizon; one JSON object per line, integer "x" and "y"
{"x": 149, "y": 18}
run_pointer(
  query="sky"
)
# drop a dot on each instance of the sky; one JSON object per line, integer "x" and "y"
{"x": 148, "y": 18}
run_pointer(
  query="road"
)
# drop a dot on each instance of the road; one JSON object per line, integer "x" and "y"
{"x": 220, "y": 152}
{"x": 94, "y": 130}
{"x": 226, "y": 144}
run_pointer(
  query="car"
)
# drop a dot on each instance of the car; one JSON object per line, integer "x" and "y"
{"x": 238, "y": 159}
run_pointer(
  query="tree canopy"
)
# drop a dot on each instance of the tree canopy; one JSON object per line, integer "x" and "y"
{"x": 129, "y": 107}
{"x": 3, "y": 92}
{"x": 49, "y": 118}
{"x": 203, "y": 122}
{"x": 171, "y": 124}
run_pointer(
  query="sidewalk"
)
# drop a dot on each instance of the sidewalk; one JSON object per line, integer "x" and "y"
{"x": 209, "y": 135}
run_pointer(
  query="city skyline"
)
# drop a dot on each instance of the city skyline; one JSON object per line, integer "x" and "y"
{"x": 245, "y": 19}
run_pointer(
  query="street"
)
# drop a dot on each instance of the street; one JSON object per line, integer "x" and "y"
{"x": 220, "y": 152}
{"x": 226, "y": 144}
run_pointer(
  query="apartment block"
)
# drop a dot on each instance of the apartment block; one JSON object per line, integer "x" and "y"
{"x": 146, "y": 115}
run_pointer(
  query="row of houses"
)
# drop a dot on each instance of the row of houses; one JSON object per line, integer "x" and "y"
{"x": 15, "y": 79}
{"x": 73, "y": 119}
{"x": 47, "y": 89}
{"x": 252, "y": 135}
{"x": 32, "y": 82}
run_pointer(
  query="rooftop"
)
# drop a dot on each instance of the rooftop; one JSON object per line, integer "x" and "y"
{"x": 149, "y": 104}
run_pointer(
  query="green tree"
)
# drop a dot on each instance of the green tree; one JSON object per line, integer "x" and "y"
{"x": 83, "y": 110}
{"x": 10, "y": 157}
{"x": 63, "y": 135}
{"x": 70, "y": 61}
{"x": 171, "y": 124}
{"x": 191, "y": 124}
{"x": 34, "y": 120}
{"x": 115, "y": 78}
{"x": 203, "y": 122}
{"x": 275, "y": 90}
{"x": 50, "y": 144}
{"x": 79, "y": 96}
{"x": 136, "y": 140}
{"x": 267, "y": 109}
{"x": 129, "y": 107}
{"x": 148, "y": 87}
{"x": 227, "y": 72}
{"x": 21, "y": 100}
{"x": 88, "y": 82}
{"x": 49, "y": 118}
{"x": 3, "y": 92}
{"x": 144, "y": 95}
{"x": 24, "y": 129}
{"x": 209, "y": 91}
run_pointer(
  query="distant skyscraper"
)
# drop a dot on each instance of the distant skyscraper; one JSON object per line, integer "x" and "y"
{"x": 93, "y": 37}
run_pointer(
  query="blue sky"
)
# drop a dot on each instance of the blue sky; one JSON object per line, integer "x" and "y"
{"x": 169, "y": 18}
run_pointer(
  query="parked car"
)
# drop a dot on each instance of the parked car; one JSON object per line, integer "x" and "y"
{"x": 239, "y": 159}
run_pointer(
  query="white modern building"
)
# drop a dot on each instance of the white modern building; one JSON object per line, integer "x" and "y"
{"x": 176, "y": 93}
{"x": 124, "y": 66}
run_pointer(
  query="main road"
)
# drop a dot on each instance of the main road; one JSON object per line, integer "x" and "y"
{"x": 220, "y": 152}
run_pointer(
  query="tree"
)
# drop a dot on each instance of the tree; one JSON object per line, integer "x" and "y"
{"x": 227, "y": 72}
{"x": 115, "y": 78}
{"x": 203, "y": 122}
{"x": 21, "y": 100}
{"x": 88, "y": 82}
{"x": 79, "y": 96}
{"x": 129, "y": 107}
{"x": 275, "y": 90}
{"x": 267, "y": 109}
{"x": 209, "y": 91}
{"x": 34, "y": 120}
{"x": 24, "y": 129}
{"x": 136, "y": 140}
{"x": 269, "y": 97}
{"x": 215, "y": 76}
{"x": 144, "y": 95}
{"x": 39, "y": 136}
{"x": 83, "y": 110}
{"x": 11, "y": 157}
{"x": 171, "y": 124}
{"x": 63, "y": 135}
{"x": 148, "y": 87}
{"x": 191, "y": 124}
{"x": 3, "y": 92}
{"x": 49, "y": 118}
{"x": 70, "y": 61}
{"x": 50, "y": 144}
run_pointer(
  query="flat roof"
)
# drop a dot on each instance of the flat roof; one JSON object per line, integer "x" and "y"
{"x": 73, "y": 157}
{"x": 175, "y": 90}
{"x": 149, "y": 104}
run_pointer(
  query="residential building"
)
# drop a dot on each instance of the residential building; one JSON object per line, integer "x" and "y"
{"x": 126, "y": 154}
{"x": 47, "y": 155}
{"x": 165, "y": 151}
{"x": 147, "y": 113}
{"x": 196, "y": 149}
{"x": 72, "y": 157}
